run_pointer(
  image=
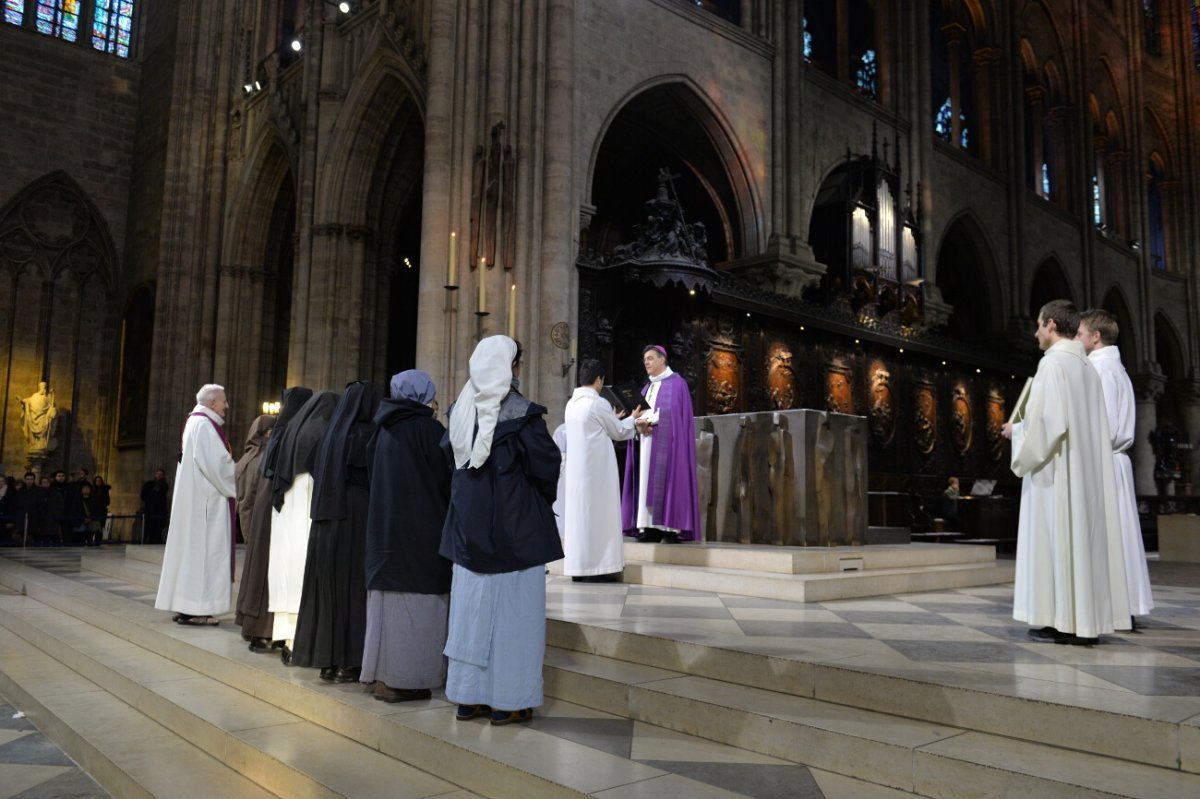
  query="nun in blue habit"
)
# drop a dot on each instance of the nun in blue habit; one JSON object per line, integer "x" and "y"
{"x": 499, "y": 533}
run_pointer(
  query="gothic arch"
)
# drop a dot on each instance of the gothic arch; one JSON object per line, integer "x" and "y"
{"x": 384, "y": 88}
{"x": 969, "y": 278}
{"x": 1116, "y": 304}
{"x": 1168, "y": 348}
{"x": 251, "y": 210}
{"x": 1050, "y": 282}
{"x": 52, "y": 225}
{"x": 685, "y": 125}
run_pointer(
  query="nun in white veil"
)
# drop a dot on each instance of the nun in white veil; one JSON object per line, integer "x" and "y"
{"x": 499, "y": 534}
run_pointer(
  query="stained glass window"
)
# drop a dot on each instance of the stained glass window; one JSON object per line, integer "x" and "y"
{"x": 1046, "y": 180}
{"x": 58, "y": 18}
{"x": 965, "y": 138}
{"x": 1151, "y": 27}
{"x": 111, "y": 26}
{"x": 1196, "y": 33}
{"x": 14, "y": 11}
{"x": 808, "y": 41}
{"x": 866, "y": 77}
{"x": 941, "y": 123}
{"x": 1097, "y": 212}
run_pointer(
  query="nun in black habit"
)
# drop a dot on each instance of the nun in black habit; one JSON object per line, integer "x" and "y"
{"x": 333, "y": 606}
{"x": 291, "y": 496}
{"x": 408, "y": 582}
{"x": 252, "y": 613}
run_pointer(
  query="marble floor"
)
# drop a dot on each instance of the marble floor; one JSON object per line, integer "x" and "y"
{"x": 33, "y": 767}
{"x": 951, "y": 637}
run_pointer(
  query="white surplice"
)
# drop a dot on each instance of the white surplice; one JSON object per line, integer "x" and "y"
{"x": 1118, "y": 400}
{"x": 196, "y": 577}
{"x": 1070, "y": 570}
{"x": 289, "y": 552}
{"x": 592, "y": 542}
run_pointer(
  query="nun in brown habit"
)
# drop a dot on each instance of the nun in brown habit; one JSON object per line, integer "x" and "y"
{"x": 254, "y": 511}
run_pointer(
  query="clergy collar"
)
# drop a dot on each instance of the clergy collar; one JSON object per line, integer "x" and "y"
{"x": 1107, "y": 352}
{"x": 1069, "y": 346}
{"x": 665, "y": 374}
{"x": 210, "y": 413}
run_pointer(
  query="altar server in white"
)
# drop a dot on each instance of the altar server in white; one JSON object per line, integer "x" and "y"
{"x": 1070, "y": 576}
{"x": 592, "y": 539}
{"x": 1098, "y": 332}
{"x": 197, "y": 569}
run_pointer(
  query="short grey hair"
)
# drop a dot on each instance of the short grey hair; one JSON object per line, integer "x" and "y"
{"x": 208, "y": 393}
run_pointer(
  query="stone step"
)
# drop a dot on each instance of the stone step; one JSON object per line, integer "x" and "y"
{"x": 115, "y": 563}
{"x": 491, "y": 761}
{"x": 153, "y": 554}
{"x": 914, "y": 756}
{"x": 1151, "y": 730}
{"x": 804, "y": 560}
{"x": 822, "y": 586}
{"x": 124, "y": 750}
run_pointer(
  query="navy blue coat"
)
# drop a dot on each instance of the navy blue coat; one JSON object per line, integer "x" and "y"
{"x": 499, "y": 518}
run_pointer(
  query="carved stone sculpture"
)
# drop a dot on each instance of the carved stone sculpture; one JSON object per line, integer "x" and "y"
{"x": 39, "y": 415}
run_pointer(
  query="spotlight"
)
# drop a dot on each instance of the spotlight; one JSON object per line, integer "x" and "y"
{"x": 344, "y": 8}
{"x": 901, "y": 350}
{"x": 257, "y": 86}
{"x": 978, "y": 371}
{"x": 691, "y": 292}
{"x": 249, "y": 87}
{"x": 1135, "y": 244}
{"x": 297, "y": 44}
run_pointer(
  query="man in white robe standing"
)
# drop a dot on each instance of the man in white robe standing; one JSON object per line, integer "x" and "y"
{"x": 1098, "y": 332}
{"x": 592, "y": 542}
{"x": 1070, "y": 574}
{"x": 197, "y": 569}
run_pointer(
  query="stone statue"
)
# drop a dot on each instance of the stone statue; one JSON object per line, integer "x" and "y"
{"x": 39, "y": 420}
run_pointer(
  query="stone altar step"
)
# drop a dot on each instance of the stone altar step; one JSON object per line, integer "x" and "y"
{"x": 298, "y": 736}
{"x": 124, "y": 750}
{"x": 820, "y": 587}
{"x": 804, "y": 560}
{"x": 1154, "y": 731}
{"x": 914, "y": 756}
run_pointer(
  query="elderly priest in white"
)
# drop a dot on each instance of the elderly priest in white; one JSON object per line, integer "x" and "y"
{"x": 592, "y": 541}
{"x": 197, "y": 569}
{"x": 1098, "y": 332}
{"x": 1070, "y": 576}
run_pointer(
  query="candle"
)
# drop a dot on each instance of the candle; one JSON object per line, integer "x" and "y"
{"x": 452, "y": 268}
{"x": 482, "y": 275}
{"x": 572, "y": 349}
{"x": 512, "y": 311}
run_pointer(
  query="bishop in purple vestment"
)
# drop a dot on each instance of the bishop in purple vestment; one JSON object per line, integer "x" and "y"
{"x": 659, "y": 496}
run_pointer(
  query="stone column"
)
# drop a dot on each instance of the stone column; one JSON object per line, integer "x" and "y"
{"x": 985, "y": 59}
{"x": 1148, "y": 389}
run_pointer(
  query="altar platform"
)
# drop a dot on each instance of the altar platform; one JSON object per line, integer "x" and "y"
{"x": 651, "y": 692}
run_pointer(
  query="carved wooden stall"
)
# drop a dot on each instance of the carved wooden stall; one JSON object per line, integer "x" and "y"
{"x": 753, "y": 339}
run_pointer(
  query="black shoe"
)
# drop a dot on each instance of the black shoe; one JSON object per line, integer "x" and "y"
{"x": 392, "y": 695}
{"x": 1048, "y": 635}
{"x": 1075, "y": 640}
{"x": 670, "y": 538}
{"x": 611, "y": 577}
{"x": 260, "y": 645}
{"x": 578, "y": 579}
{"x": 1133, "y": 625}
{"x": 285, "y": 656}
{"x": 649, "y": 536}
{"x": 328, "y": 673}
{"x": 347, "y": 675}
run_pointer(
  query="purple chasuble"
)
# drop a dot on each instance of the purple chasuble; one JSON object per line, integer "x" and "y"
{"x": 671, "y": 488}
{"x": 232, "y": 502}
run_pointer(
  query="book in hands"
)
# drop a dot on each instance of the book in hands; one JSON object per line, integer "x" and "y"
{"x": 623, "y": 399}
{"x": 1018, "y": 411}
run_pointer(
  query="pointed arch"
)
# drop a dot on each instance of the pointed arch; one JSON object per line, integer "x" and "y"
{"x": 249, "y": 217}
{"x": 1169, "y": 351}
{"x": 673, "y": 111}
{"x": 968, "y": 276}
{"x": 1115, "y": 303}
{"x": 1050, "y": 282}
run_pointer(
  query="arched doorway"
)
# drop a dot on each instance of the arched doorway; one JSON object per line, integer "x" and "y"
{"x": 1049, "y": 283}
{"x": 1114, "y": 303}
{"x": 966, "y": 275}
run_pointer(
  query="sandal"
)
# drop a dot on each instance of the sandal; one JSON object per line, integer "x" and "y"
{"x": 468, "y": 712}
{"x": 198, "y": 621}
{"x": 502, "y": 717}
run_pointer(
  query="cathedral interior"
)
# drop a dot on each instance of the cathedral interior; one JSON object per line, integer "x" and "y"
{"x": 850, "y": 206}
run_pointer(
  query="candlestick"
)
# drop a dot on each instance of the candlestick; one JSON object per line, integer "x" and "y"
{"x": 482, "y": 277}
{"x": 452, "y": 267}
{"x": 512, "y": 311}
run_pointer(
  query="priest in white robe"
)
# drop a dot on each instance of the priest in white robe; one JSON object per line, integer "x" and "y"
{"x": 593, "y": 546}
{"x": 1070, "y": 574}
{"x": 197, "y": 570}
{"x": 1098, "y": 332}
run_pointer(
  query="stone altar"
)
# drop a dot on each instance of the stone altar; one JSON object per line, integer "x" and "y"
{"x": 789, "y": 478}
